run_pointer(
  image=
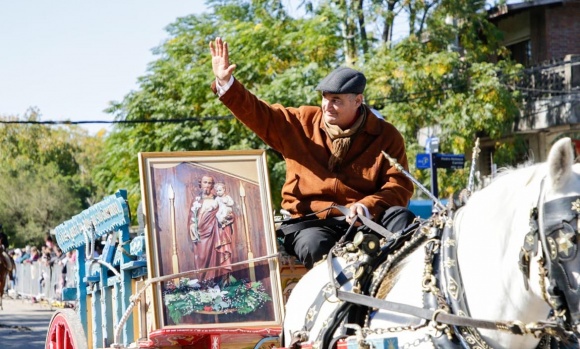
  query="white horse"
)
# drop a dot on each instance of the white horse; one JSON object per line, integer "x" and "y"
{"x": 488, "y": 234}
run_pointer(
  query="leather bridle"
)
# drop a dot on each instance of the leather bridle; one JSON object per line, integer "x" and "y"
{"x": 554, "y": 225}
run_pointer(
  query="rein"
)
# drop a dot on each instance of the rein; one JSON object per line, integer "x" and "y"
{"x": 293, "y": 225}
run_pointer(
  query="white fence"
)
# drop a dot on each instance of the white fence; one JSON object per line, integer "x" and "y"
{"x": 39, "y": 281}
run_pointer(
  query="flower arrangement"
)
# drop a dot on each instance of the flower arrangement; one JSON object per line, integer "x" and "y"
{"x": 241, "y": 296}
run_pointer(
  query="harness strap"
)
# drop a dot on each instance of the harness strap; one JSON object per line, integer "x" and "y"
{"x": 514, "y": 327}
{"x": 321, "y": 299}
{"x": 422, "y": 313}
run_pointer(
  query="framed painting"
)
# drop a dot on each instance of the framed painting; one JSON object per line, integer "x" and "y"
{"x": 210, "y": 239}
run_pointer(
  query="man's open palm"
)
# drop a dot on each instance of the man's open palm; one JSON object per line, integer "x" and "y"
{"x": 220, "y": 61}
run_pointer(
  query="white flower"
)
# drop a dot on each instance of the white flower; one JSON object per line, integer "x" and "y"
{"x": 216, "y": 292}
{"x": 193, "y": 283}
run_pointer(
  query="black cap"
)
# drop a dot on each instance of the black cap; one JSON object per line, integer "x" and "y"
{"x": 343, "y": 80}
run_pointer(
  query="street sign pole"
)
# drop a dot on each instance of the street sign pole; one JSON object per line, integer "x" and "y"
{"x": 432, "y": 160}
{"x": 434, "y": 186}
{"x": 432, "y": 148}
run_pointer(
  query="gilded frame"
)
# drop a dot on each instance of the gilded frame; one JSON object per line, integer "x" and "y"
{"x": 222, "y": 249}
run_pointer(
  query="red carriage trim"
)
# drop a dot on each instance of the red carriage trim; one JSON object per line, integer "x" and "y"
{"x": 189, "y": 336}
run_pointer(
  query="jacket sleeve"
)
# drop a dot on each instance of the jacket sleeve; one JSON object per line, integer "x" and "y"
{"x": 274, "y": 124}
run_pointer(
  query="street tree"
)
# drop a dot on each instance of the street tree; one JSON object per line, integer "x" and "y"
{"x": 45, "y": 176}
{"x": 455, "y": 77}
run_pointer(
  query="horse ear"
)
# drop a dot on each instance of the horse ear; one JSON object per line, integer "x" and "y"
{"x": 560, "y": 162}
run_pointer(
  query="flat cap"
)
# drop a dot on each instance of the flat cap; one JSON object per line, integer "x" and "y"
{"x": 343, "y": 80}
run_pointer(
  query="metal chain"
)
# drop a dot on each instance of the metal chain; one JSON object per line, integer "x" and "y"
{"x": 543, "y": 272}
{"x": 394, "y": 329}
{"x": 417, "y": 342}
{"x": 426, "y": 338}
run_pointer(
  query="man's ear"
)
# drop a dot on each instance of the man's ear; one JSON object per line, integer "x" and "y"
{"x": 359, "y": 99}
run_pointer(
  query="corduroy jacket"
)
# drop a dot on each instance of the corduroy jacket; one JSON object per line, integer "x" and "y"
{"x": 364, "y": 176}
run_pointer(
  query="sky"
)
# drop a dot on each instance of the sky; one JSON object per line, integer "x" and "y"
{"x": 71, "y": 58}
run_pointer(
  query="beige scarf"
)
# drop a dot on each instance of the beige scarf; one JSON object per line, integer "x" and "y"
{"x": 341, "y": 140}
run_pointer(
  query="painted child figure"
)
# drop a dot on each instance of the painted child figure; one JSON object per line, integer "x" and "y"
{"x": 225, "y": 202}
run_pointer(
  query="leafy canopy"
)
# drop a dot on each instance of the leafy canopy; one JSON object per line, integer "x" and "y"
{"x": 45, "y": 177}
{"x": 440, "y": 75}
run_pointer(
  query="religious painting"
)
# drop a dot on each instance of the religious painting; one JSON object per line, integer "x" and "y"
{"x": 211, "y": 243}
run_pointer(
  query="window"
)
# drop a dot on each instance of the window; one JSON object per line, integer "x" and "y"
{"x": 521, "y": 52}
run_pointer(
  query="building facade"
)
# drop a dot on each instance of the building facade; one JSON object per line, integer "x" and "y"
{"x": 544, "y": 36}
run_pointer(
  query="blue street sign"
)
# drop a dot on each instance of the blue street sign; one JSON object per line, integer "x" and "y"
{"x": 453, "y": 161}
{"x": 423, "y": 161}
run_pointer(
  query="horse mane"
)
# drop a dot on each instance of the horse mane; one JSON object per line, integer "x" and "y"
{"x": 502, "y": 171}
{"x": 390, "y": 279}
{"x": 529, "y": 170}
{"x": 523, "y": 175}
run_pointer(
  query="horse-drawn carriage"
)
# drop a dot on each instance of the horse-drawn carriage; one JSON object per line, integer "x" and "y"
{"x": 500, "y": 269}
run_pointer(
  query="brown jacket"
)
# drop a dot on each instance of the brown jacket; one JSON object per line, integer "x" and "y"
{"x": 364, "y": 176}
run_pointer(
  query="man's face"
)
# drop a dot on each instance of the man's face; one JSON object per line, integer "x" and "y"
{"x": 206, "y": 185}
{"x": 340, "y": 109}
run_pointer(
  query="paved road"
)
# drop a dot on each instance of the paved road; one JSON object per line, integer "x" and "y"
{"x": 23, "y": 325}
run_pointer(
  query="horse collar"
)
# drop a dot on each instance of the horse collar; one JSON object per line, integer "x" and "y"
{"x": 453, "y": 288}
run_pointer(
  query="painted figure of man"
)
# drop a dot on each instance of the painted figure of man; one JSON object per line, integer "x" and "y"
{"x": 212, "y": 246}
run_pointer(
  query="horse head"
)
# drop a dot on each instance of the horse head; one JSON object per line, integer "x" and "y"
{"x": 528, "y": 215}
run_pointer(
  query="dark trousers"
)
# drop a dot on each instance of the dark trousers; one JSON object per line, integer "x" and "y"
{"x": 311, "y": 244}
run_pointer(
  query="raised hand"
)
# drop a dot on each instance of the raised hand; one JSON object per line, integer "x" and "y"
{"x": 220, "y": 61}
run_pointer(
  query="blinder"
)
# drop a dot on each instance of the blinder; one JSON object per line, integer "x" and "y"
{"x": 559, "y": 237}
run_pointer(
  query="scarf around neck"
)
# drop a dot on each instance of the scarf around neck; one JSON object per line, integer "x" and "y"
{"x": 341, "y": 140}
